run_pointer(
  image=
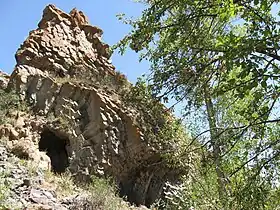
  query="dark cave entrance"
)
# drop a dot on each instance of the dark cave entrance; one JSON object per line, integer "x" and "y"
{"x": 55, "y": 148}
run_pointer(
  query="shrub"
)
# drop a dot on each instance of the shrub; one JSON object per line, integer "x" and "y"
{"x": 4, "y": 189}
{"x": 103, "y": 195}
{"x": 9, "y": 102}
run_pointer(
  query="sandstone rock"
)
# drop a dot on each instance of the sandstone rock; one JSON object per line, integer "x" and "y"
{"x": 63, "y": 71}
{"x": 41, "y": 197}
{"x": 14, "y": 135}
{"x": 44, "y": 207}
{"x": 4, "y": 79}
{"x": 27, "y": 182}
{"x": 38, "y": 207}
{"x": 23, "y": 149}
{"x": 23, "y": 132}
{"x": 20, "y": 185}
{"x": 19, "y": 123}
{"x": 4, "y": 131}
{"x": 44, "y": 161}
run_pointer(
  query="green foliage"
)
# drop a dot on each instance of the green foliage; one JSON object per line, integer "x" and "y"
{"x": 221, "y": 57}
{"x": 65, "y": 120}
{"x": 9, "y": 102}
{"x": 159, "y": 126}
{"x": 103, "y": 195}
{"x": 63, "y": 183}
{"x": 5, "y": 190}
{"x": 193, "y": 192}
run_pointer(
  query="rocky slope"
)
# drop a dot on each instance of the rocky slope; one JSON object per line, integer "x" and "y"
{"x": 21, "y": 185}
{"x": 30, "y": 185}
{"x": 78, "y": 118}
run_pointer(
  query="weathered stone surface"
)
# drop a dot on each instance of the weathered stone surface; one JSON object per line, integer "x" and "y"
{"x": 23, "y": 137}
{"x": 61, "y": 71}
{"x": 4, "y": 79}
{"x": 14, "y": 135}
{"x": 65, "y": 45}
{"x": 19, "y": 122}
{"x": 25, "y": 186}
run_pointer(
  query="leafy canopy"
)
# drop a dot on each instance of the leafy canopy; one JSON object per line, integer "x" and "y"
{"x": 222, "y": 57}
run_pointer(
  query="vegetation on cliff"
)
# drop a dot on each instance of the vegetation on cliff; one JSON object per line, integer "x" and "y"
{"x": 216, "y": 61}
{"x": 29, "y": 183}
{"x": 10, "y": 102}
{"x": 220, "y": 58}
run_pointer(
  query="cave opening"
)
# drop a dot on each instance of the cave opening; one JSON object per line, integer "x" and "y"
{"x": 56, "y": 148}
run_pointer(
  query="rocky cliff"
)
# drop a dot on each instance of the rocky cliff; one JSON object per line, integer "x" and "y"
{"x": 64, "y": 73}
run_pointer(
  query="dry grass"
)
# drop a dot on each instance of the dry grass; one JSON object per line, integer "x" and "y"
{"x": 100, "y": 194}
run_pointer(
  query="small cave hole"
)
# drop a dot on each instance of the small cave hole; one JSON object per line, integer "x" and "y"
{"x": 55, "y": 148}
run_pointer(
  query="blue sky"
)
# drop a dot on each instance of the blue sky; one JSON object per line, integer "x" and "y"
{"x": 18, "y": 17}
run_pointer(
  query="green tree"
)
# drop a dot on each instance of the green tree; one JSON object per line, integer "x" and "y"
{"x": 221, "y": 56}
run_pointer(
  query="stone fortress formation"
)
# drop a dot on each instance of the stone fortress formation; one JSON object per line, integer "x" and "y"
{"x": 63, "y": 71}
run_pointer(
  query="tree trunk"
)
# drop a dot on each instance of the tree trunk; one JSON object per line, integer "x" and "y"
{"x": 215, "y": 143}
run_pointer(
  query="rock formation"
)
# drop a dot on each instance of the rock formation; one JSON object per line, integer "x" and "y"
{"x": 28, "y": 185}
{"x": 63, "y": 71}
{"x": 4, "y": 79}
